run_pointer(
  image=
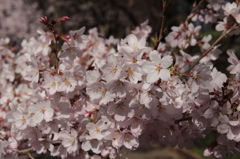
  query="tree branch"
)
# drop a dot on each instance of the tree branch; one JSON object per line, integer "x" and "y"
{"x": 25, "y": 151}
{"x": 165, "y": 6}
{"x": 183, "y": 119}
{"x": 194, "y": 9}
{"x": 30, "y": 156}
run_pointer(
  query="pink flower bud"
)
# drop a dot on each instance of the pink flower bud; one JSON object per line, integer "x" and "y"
{"x": 63, "y": 19}
{"x": 67, "y": 37}
{"x": 43, "y": 20}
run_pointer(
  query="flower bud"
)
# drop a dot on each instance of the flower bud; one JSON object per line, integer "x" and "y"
{"x": 43, "y": 20}
{"x": 62, "y": 19}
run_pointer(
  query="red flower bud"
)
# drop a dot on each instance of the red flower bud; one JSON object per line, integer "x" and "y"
{"x": 43, "y": 20}
{"x": 63, "y": 19}
{"x": 67, "y": 37}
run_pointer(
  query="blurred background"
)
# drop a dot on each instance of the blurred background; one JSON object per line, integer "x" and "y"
{"x": 19, "y": 20}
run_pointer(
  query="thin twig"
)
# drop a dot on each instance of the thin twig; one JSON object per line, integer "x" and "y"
{"x": 212, "y": 47}
{"x": 28, "y": 150}
{"x": 161, "y": 29}
{"x": 186, "y": 153}
{"x": 193, "y": 10}
{"x": 183, "y": 119}
{"x": 165, "y": 6}
{"x": 30, "y": 156}
{"x": 25, "y": 151}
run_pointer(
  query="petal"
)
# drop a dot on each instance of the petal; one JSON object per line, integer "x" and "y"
{"x": 234, "y": 123}
{"x": 66, "y": 143}
{"x": 148, "y": 67}
{"x": 48, "y": 114}
{"x": 132, "y": 40}
{"x": 64, "y": 134}
{"x": 209, "y": 113}
{"x": 164, "y": 74}
{"x": 220, "y": 27}
{"x": 223, "y": 128}
{"x": 108, "y": 97}
{"x": 119, "y": 117}
{"x": 155, "y": 57}
{"x": 166, "y": 61}
{"x": 142, "y": 42}
{"x": 153, "y": 77}
{"x": 38, "y": 117}
{"x": 74, "y": 133}
{"x": 86, "y": 146}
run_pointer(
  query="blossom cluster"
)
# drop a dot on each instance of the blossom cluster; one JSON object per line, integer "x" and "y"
{"x": 95, "y": 96}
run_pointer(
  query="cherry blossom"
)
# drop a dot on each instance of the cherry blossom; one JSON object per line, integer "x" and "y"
{"x": 157, "y": 68}
{"x": 70, "y": 51}
{"x": 41, "y": 111}
{"x": 20, "y": 120}
{"x": 235, "y": 64}
{"x": 133, "y": 44}
{"x": 77, "y": 36}
{"x": 230, "y": 8}
{"x": 69, "y": 140}
{"x": 89, "y": 143}
{"x": 96, "y": 130}
{"x": 32, "y": 71}
{"x": 113, "y": 69}
{"x": 69, "y": 83}
{"x": 52, "y": 83}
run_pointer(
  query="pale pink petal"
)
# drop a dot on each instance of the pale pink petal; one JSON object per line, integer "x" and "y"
{"x": 132, "y": 40}
{"x": 86, "y": 146}
{"x": 155, "y": 57}
{"x": 48, "y": 114}
{"x": 38, "y": 117}
{"x": 148, "y": 67}
{"x": 153, "y": 77}
{"x": 166, "y": 61}
{"x": 164, "y": 74}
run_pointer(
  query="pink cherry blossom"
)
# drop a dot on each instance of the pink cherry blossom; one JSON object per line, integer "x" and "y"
{"x": 88, "y": 143}
{"x": 52, "y": 83}
{"x": 235, "y": 64}
{"x": 41, "y": 111}
{"x": 157, "y": 68}
{"x": 96, "y": 130}
{"x": 69, "y": 140}
{"x": 134, "y": 44}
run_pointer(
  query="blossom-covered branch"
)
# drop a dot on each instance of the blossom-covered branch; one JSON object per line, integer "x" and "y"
{"x": 109, "y": 94}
